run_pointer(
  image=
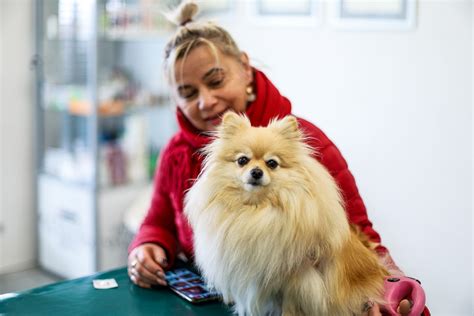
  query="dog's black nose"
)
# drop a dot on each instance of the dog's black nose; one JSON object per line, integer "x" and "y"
{"x": 256, "y": 173}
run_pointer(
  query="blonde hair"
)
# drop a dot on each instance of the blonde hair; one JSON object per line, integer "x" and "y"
{"x": 191, "y": 34}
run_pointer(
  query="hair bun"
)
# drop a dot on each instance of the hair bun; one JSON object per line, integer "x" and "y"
{"x": 183, "y": 14}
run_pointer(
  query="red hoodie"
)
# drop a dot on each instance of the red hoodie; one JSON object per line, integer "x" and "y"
{"x": 180, "y": 163}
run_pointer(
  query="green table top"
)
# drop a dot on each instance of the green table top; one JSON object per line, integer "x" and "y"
{"x": 79, "y": 297}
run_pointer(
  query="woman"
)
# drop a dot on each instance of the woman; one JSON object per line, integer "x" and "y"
{"x": 208, "y": 76}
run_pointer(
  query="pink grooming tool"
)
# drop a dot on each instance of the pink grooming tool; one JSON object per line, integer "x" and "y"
{"x": 399, "y": 288}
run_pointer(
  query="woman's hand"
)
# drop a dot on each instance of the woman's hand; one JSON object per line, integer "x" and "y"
{"x": 403, "y": 309}
{"x": 146, "y": 265}
{"x": 403, "y": 295}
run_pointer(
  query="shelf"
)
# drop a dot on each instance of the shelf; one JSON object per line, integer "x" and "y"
{"x": 65, "y": 180}
{"x": 103, "y": 117}
{"x": 116, "y": 35}
{"x": 117, "y": 110}
{"x": 158, "y": 35}
{"x": 131, "y": 185}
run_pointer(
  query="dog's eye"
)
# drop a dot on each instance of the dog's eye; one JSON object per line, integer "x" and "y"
{"x": 272, "y": 164}
{"x": 242, "y": 161}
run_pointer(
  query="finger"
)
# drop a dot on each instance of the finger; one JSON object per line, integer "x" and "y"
{"x": 136, "y": 281}
{"x": 144, "y": 285}
{"x": 146, "y": 277}
{"x": 143, "y": 261}
{"x": 144, "y": 271}
{"x": 149, "y": 270}
{"x": 375, "y": 310}
{"x": 132, "y": 257}
{"x": 148, "y": 260}
{"x": 146, "y": 280}
{"x": 159, "y": 255}
{"x": 404, "y": 307}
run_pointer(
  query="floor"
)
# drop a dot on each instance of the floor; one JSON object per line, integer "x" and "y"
{"x": 25, "y": 280}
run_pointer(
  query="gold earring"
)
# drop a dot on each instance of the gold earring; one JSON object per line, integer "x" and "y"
{"x": 250, "y": 95}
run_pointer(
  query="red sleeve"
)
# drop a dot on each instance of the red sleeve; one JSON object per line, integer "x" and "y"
{"x": 159, "y": 224}
{"x": 328, "y": 154}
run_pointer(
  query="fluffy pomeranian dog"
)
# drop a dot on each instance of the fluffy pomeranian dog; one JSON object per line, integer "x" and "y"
{"x": 270, "y": 230}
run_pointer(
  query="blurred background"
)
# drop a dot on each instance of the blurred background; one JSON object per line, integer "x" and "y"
{"x": 84, "y": 112}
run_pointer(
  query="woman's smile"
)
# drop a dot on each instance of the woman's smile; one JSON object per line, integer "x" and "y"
{"x": 208, "y": 85}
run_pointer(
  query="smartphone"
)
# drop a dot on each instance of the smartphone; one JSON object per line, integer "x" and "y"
{"x": 190, "y": 286}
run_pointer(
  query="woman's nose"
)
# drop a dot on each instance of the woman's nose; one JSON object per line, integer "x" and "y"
{"x": 206, "y": 100}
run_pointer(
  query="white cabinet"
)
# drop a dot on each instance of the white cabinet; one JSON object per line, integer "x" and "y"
{"x": 67, "y": 227}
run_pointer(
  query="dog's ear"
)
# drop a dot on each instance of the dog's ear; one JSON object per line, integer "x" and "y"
{"x": 232, "y": 123}
{"x": 288, "y": 127}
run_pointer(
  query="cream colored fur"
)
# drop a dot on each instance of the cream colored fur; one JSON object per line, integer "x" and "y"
{"x": 282, "y": 246}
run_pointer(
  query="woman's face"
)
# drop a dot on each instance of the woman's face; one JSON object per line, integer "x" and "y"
{"x": 207, "y": 87}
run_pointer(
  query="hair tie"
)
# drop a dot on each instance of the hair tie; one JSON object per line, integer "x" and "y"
{"x": 185, "y": 22}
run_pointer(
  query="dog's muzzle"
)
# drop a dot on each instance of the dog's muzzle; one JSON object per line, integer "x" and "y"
{"x": 256, "y": 176}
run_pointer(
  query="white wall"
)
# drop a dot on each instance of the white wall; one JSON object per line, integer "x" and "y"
{"x": 472, "y": 147}
{"x": 17, "y": 243}
{"x": 2, "y": 194}
{"x": 398, "y": 105}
